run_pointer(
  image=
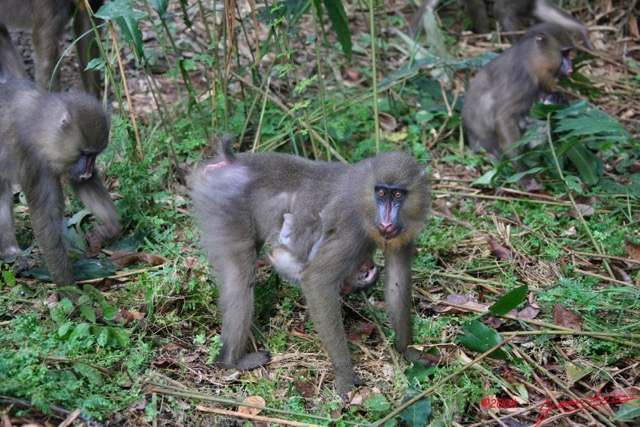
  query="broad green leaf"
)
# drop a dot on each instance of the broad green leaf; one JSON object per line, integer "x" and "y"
{"x": 516, "y": 177}
{"x": 87, "y": 313}
{"x": 82, "y": 330}
{"x": 486, "y": 179}
{"x": 121, "y": 336}
{"x": 102, "y": 333}
{"x": 510, "y": 301}
{"x": 377, "y": 403}
{"x": 418, "y": 414}
{"x": 108, "y": 312}
{"x": 160, "y": 6}
{"x": 89, "y": 372}
{"x": 630, "y": 411}
{"x": 338, "y": 17}
{"x": 479, "y": 337}
{"x": 9, "y": 279}
{"x": 64, "y": 328}
{"x": 589, "y": 166}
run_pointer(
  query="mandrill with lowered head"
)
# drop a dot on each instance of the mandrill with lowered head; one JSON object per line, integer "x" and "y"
{"x": 499, "y": 99}
{"x": 243, "y": 201}
{"x": 45, "y": 137}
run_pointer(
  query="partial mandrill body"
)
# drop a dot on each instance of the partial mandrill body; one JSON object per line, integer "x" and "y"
{"x": 499, "y": 99}
{"x": 298, "y": 244}
{"x": 45, "y": 137}
{"x": 241, "y": 202}
{"x": 47, "y": 19}
{"x": 513, "y": 15}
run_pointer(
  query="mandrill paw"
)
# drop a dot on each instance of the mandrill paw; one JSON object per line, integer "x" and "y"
{"x": 346, "y": 386}
{"x": 247, "y": 362}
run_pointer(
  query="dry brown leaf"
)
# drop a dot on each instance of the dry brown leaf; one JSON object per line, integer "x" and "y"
{"x": 633, "y": 249}
{"x": 529, "y": 312}
{"x": 564, "y": 317}
{"x": 498, "y": 250}
{"x": 585, "y": 210}
{"x": 126, "y": 316}
{"x": 464, "y": 300}
{"x": 305, "y": 388}
{"x": 621, "y": 274}
{"x": 253, "y": 400}
{"x": 124, "y": 258}
{"x": 387, "y": 122}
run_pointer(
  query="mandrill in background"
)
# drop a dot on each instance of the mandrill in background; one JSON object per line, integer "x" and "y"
{"x": 46, "y": 136}
{"x": 323, "y": 222}
{"x": 497, "y": 104}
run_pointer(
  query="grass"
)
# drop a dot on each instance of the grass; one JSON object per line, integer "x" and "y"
{"x": 139, "y": 348}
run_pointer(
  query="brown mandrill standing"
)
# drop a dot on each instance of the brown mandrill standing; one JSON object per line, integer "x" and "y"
{"x": 243, "y": 201}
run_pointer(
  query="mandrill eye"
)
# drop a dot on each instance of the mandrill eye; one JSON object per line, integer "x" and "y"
{"x": 397, "y": 195}
{"x": 381, "y": 192}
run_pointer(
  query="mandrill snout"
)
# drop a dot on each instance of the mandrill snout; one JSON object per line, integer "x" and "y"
{"x": 388, "y": 230}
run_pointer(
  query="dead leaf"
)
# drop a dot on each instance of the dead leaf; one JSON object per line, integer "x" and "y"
{"x": 361, "y": 332}
{"x": 633, "y": 249}
{"x": 335, "y": 413}
{"x": 529, "y": 312}
{"x": 532, "y": 186}
{"x": 94, "y": 245}
{"x": 189, "y": 262}
{"x": 498, "y": 250}
{"x": 387, "y": 122}
{"x": 463, "y": 300}
{"x": 305, "y": 388}
{"x": 123, "y": 258}
{"x": 564, "y": 317}
{"x": 253, "y": 400}
{"x": 585, "y": 210}
{"x": 126, "y": 316}
{"x": 621, "y": 274}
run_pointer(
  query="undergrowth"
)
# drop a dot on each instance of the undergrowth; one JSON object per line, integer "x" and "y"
{"x": 560, "y": 262}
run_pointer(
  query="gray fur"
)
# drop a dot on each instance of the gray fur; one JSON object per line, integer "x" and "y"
{"x": 48, "y": 19}
{"x": 239, "y": 215}
{"x": 42, "y": 136}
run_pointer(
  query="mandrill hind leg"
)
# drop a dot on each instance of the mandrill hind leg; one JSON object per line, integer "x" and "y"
{"x": 236, "y": 270}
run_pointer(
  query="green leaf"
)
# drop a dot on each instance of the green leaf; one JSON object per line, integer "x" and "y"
{"x": 418, "y": 414}
{"x": 629, "y": 411}
{"x": 87, "y": 313}
{"x": 160, "y": 6}
{"x": 108, "y": 312}
{"x": 61, "y": 310}
{"x": 121, "y": 12}
{"x": 419, "y": 373}
{"x": 317, "y": 4}
{"x": 589, "y": 166}
{"x": 90, "y": 373}
{"x": 96, "y": 64}
{"x": 486, "y": 179}
{"x": 121, "y": 336}
{"x": 479, "y": 337}
{"x": 338, "y": 17}
{"x": 510, "y": 301}
{"x": 64, "y": 328}
{"x": 102, "y": 333}
{"x": 9, "y": 279}
{"x": 516, "y": 177}
{"x": 82, "y": 330}
{"x": 378, "y": 403}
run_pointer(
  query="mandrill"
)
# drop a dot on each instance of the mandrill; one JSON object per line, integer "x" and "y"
{"x": 329, "y": 218}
